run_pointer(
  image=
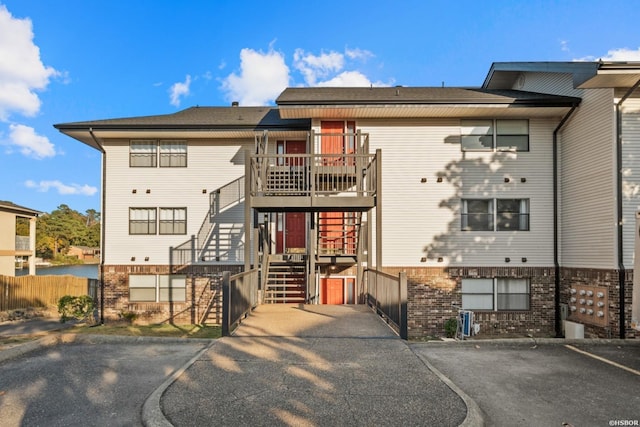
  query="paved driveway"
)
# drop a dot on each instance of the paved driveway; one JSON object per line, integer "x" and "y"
{"x": 543, "y": 384}
{"x": 95, "y": 381}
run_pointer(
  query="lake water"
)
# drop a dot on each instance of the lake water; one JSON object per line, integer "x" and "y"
{"x": 81, "y": 270}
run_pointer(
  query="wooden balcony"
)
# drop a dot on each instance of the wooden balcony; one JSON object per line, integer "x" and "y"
{"x": 313, "y": 182}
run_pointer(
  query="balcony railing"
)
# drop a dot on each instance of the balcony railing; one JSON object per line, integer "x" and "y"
{"x": 313, "y": 175}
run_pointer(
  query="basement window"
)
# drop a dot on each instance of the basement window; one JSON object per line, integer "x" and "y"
{"x": 157, "y": 288}
{"x": 496, "y": 294}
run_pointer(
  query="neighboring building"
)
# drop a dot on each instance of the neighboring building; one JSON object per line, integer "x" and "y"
{"x": 15, "y": 247}
{"x": 84, "y": 253}
{"x": 516, "y": 200}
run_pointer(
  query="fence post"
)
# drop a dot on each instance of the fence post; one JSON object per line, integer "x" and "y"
{"x": 226, "y": 303}
{"x": 404, "y": 328}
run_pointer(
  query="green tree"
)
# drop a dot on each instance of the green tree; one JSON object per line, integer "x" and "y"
{"x": 65, "y": 227}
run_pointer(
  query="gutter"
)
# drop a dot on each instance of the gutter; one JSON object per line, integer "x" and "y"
{"x": 556, "y": 260}
{"x": 102, "y": 222}
{"x": 620, "y": 215}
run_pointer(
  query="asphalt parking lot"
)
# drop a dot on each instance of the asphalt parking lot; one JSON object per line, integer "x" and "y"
{"x": 94, "y": 381}
{"x": 544, "y": 384}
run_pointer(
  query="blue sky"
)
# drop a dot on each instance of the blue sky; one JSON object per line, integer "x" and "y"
{"x": 74, "y": 60}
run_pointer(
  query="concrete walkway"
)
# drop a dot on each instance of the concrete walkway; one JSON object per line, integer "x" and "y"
{"x": 310, "y": 365}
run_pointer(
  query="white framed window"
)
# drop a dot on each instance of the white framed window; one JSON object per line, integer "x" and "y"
{"x": 142, "y": 220}
{"x": 157, "y": 288}
{"x": 494, "y": 215}
{"x": 173, "y": 221}
{"x": 173, "y": 154}
{"x": 494, "y": 135}
{"x": 143, "y": 153}
{"x": 496, "y": 294}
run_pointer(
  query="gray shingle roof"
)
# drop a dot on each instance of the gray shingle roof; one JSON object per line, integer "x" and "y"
{"x": 199, "y": 117}
{"x": 415, "y": 95}
{"x": 12, "y": 207}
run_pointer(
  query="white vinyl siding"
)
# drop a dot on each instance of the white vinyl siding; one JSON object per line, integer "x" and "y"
{"x": 212, "y": 164}
{"x": 552, "y": 83}
{"x": 631, "y": 174}
{"x": 588, "y": 184}
{"x": 422, "y": 219}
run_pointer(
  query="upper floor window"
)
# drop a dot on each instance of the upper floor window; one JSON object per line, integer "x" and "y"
{"x": 173, "y": 220}
{"x": 508, "y": 215}
{"x": 142, "y": 220}
{"x": 173, "y": 154}
{"x": 145, "y": 153}
{"x": 494, "y": 135}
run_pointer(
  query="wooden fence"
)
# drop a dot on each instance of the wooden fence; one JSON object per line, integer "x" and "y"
{"x": 42, "y": 291}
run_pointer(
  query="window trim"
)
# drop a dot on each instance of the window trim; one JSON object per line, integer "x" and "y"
{"x": 495, "y": 294}
{"x": 173, "y": 221}
{"x": 494, "y": 215}
{"x": 495, "y": 135}
{"x": 155, "y": 221}
{"x": 158, "y": 287}
{"x": 157, "y": 155}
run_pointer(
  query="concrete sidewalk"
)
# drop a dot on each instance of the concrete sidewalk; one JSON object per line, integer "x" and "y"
{"x": 314, "y": 366}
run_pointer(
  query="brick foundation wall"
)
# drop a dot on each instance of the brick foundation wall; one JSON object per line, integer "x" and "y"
{"x": 572, "y": 277}
{"x": 432, "y": 292}
{"x": 198, "y": 294}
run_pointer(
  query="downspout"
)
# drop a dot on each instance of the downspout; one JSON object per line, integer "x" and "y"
{"x": 556, "y": 255}
{"x": 621, "y": 269}
{"x": 102, "y": 216}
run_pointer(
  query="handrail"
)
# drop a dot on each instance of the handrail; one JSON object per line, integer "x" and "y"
{"x": 338, "y": 235}
{"x": 221, "y": 198}
{"x": 313, "y": 174}
{"x": 387, "y": 295}
{"x": 239, "y": 298}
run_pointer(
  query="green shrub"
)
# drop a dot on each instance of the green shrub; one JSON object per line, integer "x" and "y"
{"x": 128, "y": 316}
{"x": 72, "y": 307}
{"x": 450, "y": 327}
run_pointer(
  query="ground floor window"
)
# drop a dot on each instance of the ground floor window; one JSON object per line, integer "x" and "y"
{"x": 157, "y": 288}
{"x": 496, "y": 294}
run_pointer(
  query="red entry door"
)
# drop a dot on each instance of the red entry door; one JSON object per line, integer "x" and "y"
{"x": 291, "y": 226}
{"x": 332, "y": 290}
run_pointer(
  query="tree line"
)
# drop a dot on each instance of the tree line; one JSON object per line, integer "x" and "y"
{"x": 64, "y": 227}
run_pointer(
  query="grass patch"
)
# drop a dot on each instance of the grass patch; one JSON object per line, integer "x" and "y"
{"x": 8, "y": 342}
{"x": 156, "y": 330}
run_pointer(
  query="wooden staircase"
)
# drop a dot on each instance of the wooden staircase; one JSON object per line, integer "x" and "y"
{"x": 286, "y": 282}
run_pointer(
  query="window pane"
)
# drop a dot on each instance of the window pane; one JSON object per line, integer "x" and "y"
{"x": 477, "y": 302}
{"x": 142, "y": 281}
{"x": 477, "y": 286}
{"x": 142, "y": 221}
{"x": 513, "y": 142}
{"x": 476, "y": 135}
{"x": 512, "y": 135}
{"x": 142, "y": 153}
{"x": 513, "y": 302}
{"x": 513, "y": 127}
{"x": 173, "y": 220}
{"x": 172, "y": 288}
{"x": 173, "y": 154}
{"x": 142, "y": 294}
{"x": 512, "y": 214}
{"x": 477, "y": 215}
{"x": 513, "y": 294}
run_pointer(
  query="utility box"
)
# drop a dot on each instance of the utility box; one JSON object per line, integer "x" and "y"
{"x": 573, "y": 330}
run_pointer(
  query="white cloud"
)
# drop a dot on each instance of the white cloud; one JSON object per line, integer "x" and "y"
{"x": 615, "y": 55}
{"x": 262, "y": 77}
{"x": 179, "y": 90}
{"x": 21, "y": 70}
{"x": 64, "y": 189}
{"x": 29, "y": 142}
{"x": 314, "y": 67}
{"x": 348, "y": 79}
{"x": 358, "y": 54}
{"x": 622, "y": 54}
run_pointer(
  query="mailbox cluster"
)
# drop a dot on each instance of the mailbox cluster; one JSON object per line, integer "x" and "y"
{"x": 589, "y": 304}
